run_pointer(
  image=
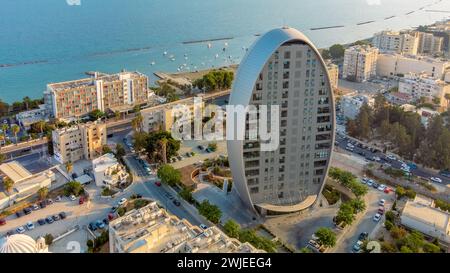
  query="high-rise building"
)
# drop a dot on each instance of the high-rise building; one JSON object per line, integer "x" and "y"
{"x": 76, "y": 98}
{"x": 360, "y": 63}
{"x": 333, "y": 71}
{"x": 399, "y": 42}
{"x": 283, "y": 68}
{"x": 423, "y": 86}
{"x": 81, "y": 141}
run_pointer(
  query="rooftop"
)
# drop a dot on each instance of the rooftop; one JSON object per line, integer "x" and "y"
{"x": 428, "y": 215}
{"x": 15, "y": 171}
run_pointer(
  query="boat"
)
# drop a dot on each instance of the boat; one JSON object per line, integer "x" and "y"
{"x": 165, "y": 53}
{"x": 209, "y": 45}
{"x": 152, "y": 63}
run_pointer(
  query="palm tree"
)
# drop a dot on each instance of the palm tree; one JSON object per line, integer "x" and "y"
{"x": 136, "y": 123}
{"x": 43, "y": 192}
{"x": 27, "y": 101}
{"x": 69, "y": 166}
{"x": 41, "y": 125}
{"x": 8, "y": 184}
{"x": 117, "y": 115}
{"x": 163, "y": 143}
{"x": 15, "y": 130}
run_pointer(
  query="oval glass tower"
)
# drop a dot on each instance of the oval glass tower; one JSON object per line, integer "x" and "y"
{"x": 283, "y": 68}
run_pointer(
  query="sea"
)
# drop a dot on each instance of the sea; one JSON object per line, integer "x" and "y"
{"x": 45, "y": 41}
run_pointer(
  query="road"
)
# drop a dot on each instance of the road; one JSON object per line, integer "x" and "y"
{"x": 359, "y": 150}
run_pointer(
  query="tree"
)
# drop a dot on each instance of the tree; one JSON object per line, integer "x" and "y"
{"x": 400, "y": 192}
{"x": 96, "y": 114}
{"x": 117, "y": 115}
{"x": 163, "y": 143}
{"x": 326, "y": 237}
{"x": 212, "y": 146}
{"x": 431, "y": 248}
{"x": 346, "y": 214}
{"x": 337, "y": 51}
{"x": 2, "y": 158}
{"x": 398, "y": 232}
{"x": 210, "y": 211}
{"x": 186, "y": 194}
{"x": 74, "y": 188}
{"x": 169, "y": 175}
{"x": 42, "y": 193}
{"x": 136, "y": 122}
{"x": 106, "y": 149}
{"x": 120, "y": 150}
{"x": 69, "y": 167}
{"x": 48, "y": 239}
{"x": 326, "y": 54}
{"x": 153, "y": 147}
{"x": 305, "y": 250}
{"x": 8, "y": 184}
{"x": 140, "y": 141}
{"x": 15, "y": 129}
{"x": 358, "y": 204}
{"x": 405, "y": 249}
{"x": 232, "y": 229}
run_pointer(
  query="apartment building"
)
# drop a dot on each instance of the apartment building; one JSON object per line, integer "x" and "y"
{"x": 360, "y": 63}
{"x": 430, "y": 44}
{"x": 108, "y": 172}
{"x": 164, "y": 116}
{"x": 81, "y": 141}
{"x": 285, "y": 69}
{"x": 152, "y": 229}
{"x": 28, "y": 118}
{"x": 424, "y": 86}
{"x": 391, "y": 65}
{"x": 395, "y": 41}
{"x": 117, "y": 92}
{"x": 333, "y": 72}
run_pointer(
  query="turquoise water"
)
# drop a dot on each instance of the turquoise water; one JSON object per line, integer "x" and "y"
{"x": 49, "y": 41}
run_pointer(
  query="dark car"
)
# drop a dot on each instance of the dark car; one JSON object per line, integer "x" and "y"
{"x": 42, "y": 204}
{"x": 56, "y": 217}
{"x": 27, "y": 210}
{"x": 41, "y": 222}
{"x": 363, "y": 236}
{"x": 18, "y": 214}
{"x": 92, "y": 226}
{"x": 74, "y": 175}
{"x": 63, "y": 215}
{"x": 200, "y": 147}
{"x": 11, "y": 232}
{"x": 106, "y": 221}
{"x": 49, "y": 220}
{"x": 49, "y": 201}
{"x": 375, "y": 185}
{"x": 362, "y": 153}
{"x": 176, "y": 202}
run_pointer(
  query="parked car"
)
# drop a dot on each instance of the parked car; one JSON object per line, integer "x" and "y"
{"x": 381, "y": 202}
{"x": 158, "y": 183}
{"x": 63, "y": 215}
{"x": 201, "y": 147}
{"x": 20, "y": 230}
{"x": 81, "y": 201}
{"x": 49, "y": 220}
{"x": 357, "y": 247}
{"x": 375, "y": 185}
{"x": 30, "y": 225}
{"x": 100, "y": 224}
{"x": 391, "y": 157}
{"x": 27, "y": 210}
{"x": 18, "y": 214}
{"x": 176, "y": 202}
{"x": 363, "y": 236}
{"x": 381, "y": 187}
{"x": 381, "y": 210}
{"x": 110, "y": 216}
{"x": 92, "y": 226}
{"x": 370, "y": 182}
{"x": 106, "y": 221}
{"x": 58, "y": 198}
{"x": 42, "y": 204}
{"x": 72, "y": 198}
{"x": 203, "y": 226}
{"x": 35, "y": 207}
{"x": 436, "y": 179}
{"x": 49, "y": 201}
{"x": 2, "y": 221}
{"x": 41, "y": 222}
{"x": 122, "y": 201}
{"x": 377, "y": 217}
{"x": 56, "y": 217}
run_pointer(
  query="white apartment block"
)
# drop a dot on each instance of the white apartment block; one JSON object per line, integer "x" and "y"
{"x": 118, "y": 92}
{"x": 351, "y": 103}
{"x": 399, "y": 42}
{"x": 360, "y": 63}
{"x": 108, "y": 172}
{"x": 152, "y": 229}
{"x": 430, "y": 44}
{"x": 333, "y": 72}
{"x": 28, "y": 118}
{"x": 391, "y": 65}
{"x": 81, "y": 141}
{"x": 422, "y": 85}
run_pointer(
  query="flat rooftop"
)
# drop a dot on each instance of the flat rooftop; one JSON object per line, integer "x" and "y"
{"x": 15, "y": 171}
{"x": 91, "y": 81}
{"x": 431, "y": 216}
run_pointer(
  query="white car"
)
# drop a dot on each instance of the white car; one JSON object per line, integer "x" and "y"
{"x": 436, "y": 179}
{"x": 382, "y": 202}
{"x": 20, "y": 230}
{"x": 30, "y": 225}
{"x": 122, "y": 201}
{"x": 357, "y": 247}
{"x": 73, "y": 198}
{"x": 391, "y": 157}
{"x": 382, "y": 187}
{"x": 370, "y": 182}
{"x": 377, "y": 217}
